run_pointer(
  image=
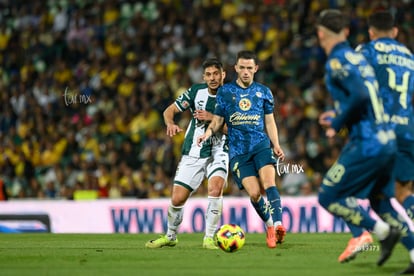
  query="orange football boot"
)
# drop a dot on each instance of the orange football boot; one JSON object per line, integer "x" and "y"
{"x": 355, "y": 246}
{"x": 271, "y": 237}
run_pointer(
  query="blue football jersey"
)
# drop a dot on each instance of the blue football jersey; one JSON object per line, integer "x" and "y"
{"x": 243, "y": 110}
{"x": 351, "y": 81}
{"x": 394, "y": 66}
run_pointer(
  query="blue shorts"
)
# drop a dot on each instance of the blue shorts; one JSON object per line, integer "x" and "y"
{"x": 249, "y": 164}
{"x": 404, "y": 162}
{"x": 356, "y": 175}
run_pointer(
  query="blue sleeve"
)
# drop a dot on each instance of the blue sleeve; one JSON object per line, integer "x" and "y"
{"x": 220, "y": 103}
{"x": 269, "y": 103}
{"x": 353, "y": 84}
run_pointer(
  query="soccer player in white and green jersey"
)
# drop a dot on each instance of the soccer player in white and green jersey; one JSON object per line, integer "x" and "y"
{"x": 211, "y": 160}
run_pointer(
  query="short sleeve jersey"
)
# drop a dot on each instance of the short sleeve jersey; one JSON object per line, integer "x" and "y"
{"x": 243, "y": 110}
{"x": 394, "y": 66}
{"x": 197, "y": 97}
{"x": 352, "y": 83}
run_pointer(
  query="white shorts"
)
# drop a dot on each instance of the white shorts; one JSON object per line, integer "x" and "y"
{"x": 191, "y": 171}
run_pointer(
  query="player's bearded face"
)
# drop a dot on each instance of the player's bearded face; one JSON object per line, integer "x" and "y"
{"x": 213, "y": 77}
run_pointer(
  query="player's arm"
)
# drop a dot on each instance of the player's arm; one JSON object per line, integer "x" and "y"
{"x": 204, "y": 115}
{"x": 350, "y": 80}
{"x": 225, "y": 129}
{"x": 216, "y": 125}
{"x": 169, "y": 113}
{"x": 358, "y": 95}
{"x": 272, "y": 132}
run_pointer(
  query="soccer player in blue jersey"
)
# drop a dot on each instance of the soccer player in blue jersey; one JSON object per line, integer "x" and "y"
{"x": 393, "y": 63}
{"x": 363, "y": 169}
{"x": 210, "y": 161}
{"x": 246, "y": 107}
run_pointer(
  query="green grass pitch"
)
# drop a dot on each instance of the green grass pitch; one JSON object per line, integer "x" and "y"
{"x": 125, "y": 254}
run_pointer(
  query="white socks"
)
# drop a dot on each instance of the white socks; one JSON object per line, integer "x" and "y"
{"x": 213, "y": 214}
{"x": 381, "y": 229}
{"x": 269, "y": 222}
{"x": 175, "y": 217}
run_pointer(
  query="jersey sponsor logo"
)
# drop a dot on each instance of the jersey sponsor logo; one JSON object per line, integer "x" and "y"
{"x": 383, "y": 47}
{"x": 200, "y": 104}
{"x": 243, "y": 119}
{"x": 245, "y": 104}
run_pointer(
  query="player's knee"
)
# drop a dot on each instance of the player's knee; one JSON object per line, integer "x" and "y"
{"x": 215, "y": 192}
{"x": 215, "y": 186}
{"x": 178, "y": 200}
{"x": 255, "y": 196}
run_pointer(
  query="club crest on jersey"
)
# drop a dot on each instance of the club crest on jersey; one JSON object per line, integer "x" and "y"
{"x": 245, "y": 104}
{"x": 335, "y": 64}
{"x": 259, "y": 94}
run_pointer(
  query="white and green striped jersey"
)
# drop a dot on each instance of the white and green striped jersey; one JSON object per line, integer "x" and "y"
{"x": 197, "y": 97}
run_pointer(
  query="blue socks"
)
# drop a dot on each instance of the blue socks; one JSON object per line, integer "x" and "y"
{"x": 261, "y": 209}
{"x": 273, "y": 198}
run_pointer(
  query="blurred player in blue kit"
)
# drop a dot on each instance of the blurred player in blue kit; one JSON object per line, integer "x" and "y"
{"x": 246, "y": 108}
{"x": 393, "y": 63}
{"x": 364, "y": 167}
{"x": 210, "y": 161}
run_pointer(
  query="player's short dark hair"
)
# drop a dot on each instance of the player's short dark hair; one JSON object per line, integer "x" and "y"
{"x": 212, "y": 62}
{"x": 333, "y": 20}
{"x": 381, "y": 20}
{"x": 246, "y": 54}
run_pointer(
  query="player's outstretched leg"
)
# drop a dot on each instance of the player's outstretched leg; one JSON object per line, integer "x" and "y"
{"x": 175, "y": 217}
{"x": 262, "y": 210}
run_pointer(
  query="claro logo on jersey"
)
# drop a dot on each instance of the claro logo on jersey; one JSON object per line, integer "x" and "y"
{"x": 244, "y": 119}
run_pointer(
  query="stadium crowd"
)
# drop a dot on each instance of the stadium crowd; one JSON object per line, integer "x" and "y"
{"x": 84, "y": 83}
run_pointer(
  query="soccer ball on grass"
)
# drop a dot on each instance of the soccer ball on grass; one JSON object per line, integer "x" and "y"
{"x": 229, "y": 237}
